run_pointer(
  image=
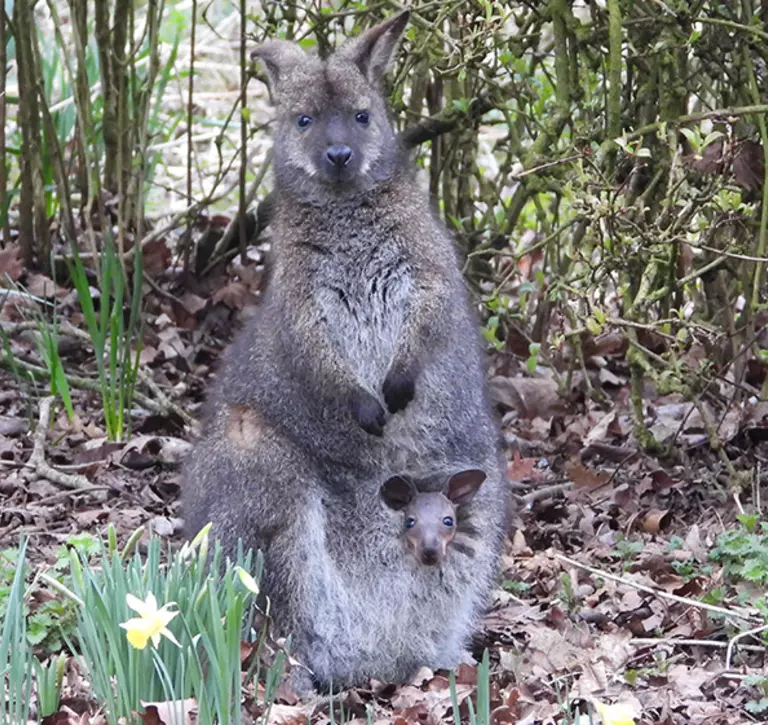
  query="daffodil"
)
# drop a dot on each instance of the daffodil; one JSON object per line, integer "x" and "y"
{"x": 248, "y": 581}
{"x": 621, "y": 713}
{"x": 151, "y": 622}
{"x": 200, "y": 541}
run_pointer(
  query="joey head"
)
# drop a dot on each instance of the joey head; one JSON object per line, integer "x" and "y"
{"x": 431, "y": 518}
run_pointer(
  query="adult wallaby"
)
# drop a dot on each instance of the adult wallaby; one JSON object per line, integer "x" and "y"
{"x": 433, "y": 518}
{"x": 362, "y": 362}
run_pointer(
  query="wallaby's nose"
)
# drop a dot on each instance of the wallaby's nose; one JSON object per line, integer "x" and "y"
{"x": 339, "y": 155}
{"x": 430, "y": 557}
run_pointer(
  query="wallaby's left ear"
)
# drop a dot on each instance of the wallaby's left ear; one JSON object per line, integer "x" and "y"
{"x": 462, "y": 487}
{"x": 373, "y": 50}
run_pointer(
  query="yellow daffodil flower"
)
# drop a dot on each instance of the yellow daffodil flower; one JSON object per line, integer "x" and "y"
{"x": 621, "y": 713}
{"x": 151, "y": 622}
{"x": 248, "y": 581}
{"x": 200, "y": 541}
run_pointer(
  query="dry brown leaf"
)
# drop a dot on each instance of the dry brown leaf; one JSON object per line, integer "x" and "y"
{"x": 529, "y": 396}
{"x": 170, "y": 712}
{"x": 147, "y": 450}
{"x": 11, "y": 265}
{"x": 520, "y": 545}
{"x": 584, "y": 477}
{"x": 43, "y": 287}
{"x": 520, "y": 469}
{"x": 656, "y": 520}
{"x": 607, "y": 425}
{"x": 280, "y": 714}
{"x": 156, "y": 257}
{"x": 234, "y": 295}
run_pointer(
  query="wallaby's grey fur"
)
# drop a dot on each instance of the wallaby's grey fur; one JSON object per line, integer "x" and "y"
{"x": 432, "y": 519}
{"x": 362, "y": 362}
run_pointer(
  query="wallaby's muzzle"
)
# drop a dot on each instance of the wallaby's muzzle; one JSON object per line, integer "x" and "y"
{"x": 338, "y": 155}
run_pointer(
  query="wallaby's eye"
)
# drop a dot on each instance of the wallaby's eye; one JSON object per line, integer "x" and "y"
{"x": 410, "y": 522}
{"x": 303, "y": 121}
{"x": 448, "y": 521}
{"x": 363, "y": 117}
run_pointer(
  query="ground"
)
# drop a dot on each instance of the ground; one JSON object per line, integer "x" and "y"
{"x": 609, "y": 587}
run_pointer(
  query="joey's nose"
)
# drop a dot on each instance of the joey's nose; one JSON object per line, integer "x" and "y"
{"x": 339, "y": 155}
{"x": 430, "y": 557}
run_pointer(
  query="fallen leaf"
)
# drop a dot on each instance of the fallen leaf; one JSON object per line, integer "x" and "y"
{"x": 584, "y": 477}
{"x": 520, "y": 468}
{"x": 171, "y": 712}
{"x": 43, "y": 287}
{"x": 656, "y": 520}
{"x": 11, "y": 265}
{"x": 528, "y": 396}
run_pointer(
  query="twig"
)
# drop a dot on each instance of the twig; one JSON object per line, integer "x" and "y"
{"x": 37, "y": 459}
{"x": 434, "y": 126}
{"x": 62, "y": 495}
{"x": 545, "y": 492}
{"x": 713, "y": 643}
{"x": 223, "y": 244}
{"x": 738, "y": 613}
{"x": 741, "y": 635}
{"x": 696, "y": 117}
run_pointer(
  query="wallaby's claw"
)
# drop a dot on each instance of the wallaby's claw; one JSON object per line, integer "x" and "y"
{"x": 399, "y": 389}
{"x": 368, "y": 413}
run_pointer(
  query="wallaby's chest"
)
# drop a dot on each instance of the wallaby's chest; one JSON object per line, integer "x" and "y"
{"x": 365, "y": 295}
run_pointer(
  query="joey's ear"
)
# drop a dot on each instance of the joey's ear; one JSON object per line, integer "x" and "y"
{"x": 278, "y": 57}
{"x": 397, "y": 492}
{"x": 462, "y": 487}
{"x": 373, "y": 50}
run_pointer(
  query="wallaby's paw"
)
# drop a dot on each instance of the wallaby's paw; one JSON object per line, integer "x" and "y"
{"x": 368, "y": 413}
{"x": 399, "y": 389}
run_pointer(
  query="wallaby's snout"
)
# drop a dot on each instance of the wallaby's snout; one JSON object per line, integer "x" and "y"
{"x": 431, "y": 556}
{"x": 338, "y": 156}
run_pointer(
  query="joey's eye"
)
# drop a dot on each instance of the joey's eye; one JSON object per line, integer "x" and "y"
{"x": 363, "y": 117}
{"x": 303, "y": 121}
{"x": 448, "y": 521}
{"x": 410, "y": 522}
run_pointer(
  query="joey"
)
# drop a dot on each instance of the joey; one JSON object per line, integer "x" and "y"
{"x": 431, "y": 518}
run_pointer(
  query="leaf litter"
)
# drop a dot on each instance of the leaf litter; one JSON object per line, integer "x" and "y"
{"x": 603, "y": 534}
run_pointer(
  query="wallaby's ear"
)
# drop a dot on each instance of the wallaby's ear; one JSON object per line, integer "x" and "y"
{"x": 462, "y": 487}
{"x": 373, "y": 50}
{"x": 278, "y": 57}
{"x": 397, "y": 492}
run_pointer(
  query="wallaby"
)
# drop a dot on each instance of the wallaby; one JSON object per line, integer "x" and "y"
{"x": 363, "y": 361}
{"x": 432, "y": 519}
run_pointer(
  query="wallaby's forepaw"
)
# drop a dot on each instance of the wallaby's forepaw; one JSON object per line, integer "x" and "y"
{"x": 399, "y": 389}
{"x": 368, "y": 412}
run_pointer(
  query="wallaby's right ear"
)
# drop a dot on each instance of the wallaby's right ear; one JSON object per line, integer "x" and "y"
{"x": 463, "y": 486}
{"x": 397, "y": 492}
{"x": 278, "y": 57}
{"x": 372, "y": 50}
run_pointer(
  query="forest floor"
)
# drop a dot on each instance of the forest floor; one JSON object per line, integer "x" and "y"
{"x": 618, "y": 575}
